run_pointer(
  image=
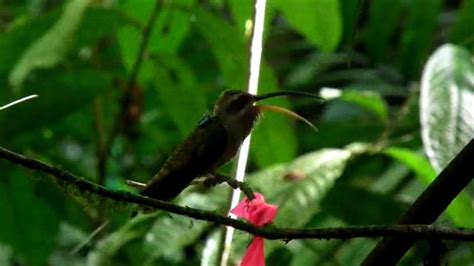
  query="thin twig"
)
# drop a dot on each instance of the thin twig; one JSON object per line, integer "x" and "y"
{"x": 86, "y": 241}
{"x": 135, "y": 184}
{"x": 64, "y": 178}
{"x": 8, "y": 105}
{"x": 117, "y": 126}
{"x": 146, "y": 34}
{"x": 100, "y": 140}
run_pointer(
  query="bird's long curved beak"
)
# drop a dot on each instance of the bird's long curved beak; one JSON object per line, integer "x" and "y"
{"x": 282, "y": 110}
{"x": 285, "y": 93}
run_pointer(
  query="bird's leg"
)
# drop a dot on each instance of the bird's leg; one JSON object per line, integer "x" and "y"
{"x": 215, "y": 178}
{"x": 211, "y": 180}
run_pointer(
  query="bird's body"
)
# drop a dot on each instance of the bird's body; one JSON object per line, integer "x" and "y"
{"x": 214, "y": 142}
{"x": 192, "y": 159}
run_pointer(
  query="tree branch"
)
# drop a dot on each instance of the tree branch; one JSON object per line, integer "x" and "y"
{"x": 404, "y": 231}
{"x": 428, "y": 206}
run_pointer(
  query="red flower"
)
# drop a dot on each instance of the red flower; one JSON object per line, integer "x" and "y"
{"x": 258, "y": 213}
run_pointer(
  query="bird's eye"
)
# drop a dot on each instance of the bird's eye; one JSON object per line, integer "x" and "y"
{"x": 238, "y": 104}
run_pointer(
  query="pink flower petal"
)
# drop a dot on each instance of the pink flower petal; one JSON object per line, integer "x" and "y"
{"x": 255, "y": 255}
{"x": 259, "y": 213}
{"x": 263, "y": 214}
{"x": 256, "y": 212}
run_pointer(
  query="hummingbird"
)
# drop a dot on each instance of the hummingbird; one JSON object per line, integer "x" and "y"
{"x": 215, "y": 141}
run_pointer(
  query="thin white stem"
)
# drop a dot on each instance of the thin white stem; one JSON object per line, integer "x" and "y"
{"x": 18, "y": 101}
{"x": 255, "y": 59}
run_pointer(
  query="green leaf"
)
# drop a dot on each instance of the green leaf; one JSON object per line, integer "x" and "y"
{"x": 107, "y": 249}
{"x": 462, "y": 32}
{"x": 14, "y": 42}
{"x": 368, "y": 100}
{"x": 228, "y": 47}
{"x": 159, "y": 236}
{"x": 179, "y": 92}
{"x": 6, "y": 255}
{"x": 280, "y": 257}
{"x": 350, "y": 11}
{"x": 97, "y": 23}
{"x": 77, "y": 88}
{"x": 28, "y": 225}
{"x": 383, "y": 21}
{"x": 418, "y": 35}
{"x": 354, "y": 252}
{"x": 446, "y": 104}
{"x": 171, "y": 27}
{"x": 172, "y": 233}
{"x": 414, "y": 161}
{"x": 318, "y": 20}
{"x": 51, "y": 48}
{"x": 461, "y": 205}
{"x": 241, "y": 12}
{"x": 360, "y": 206}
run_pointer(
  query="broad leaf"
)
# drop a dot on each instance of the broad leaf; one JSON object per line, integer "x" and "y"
{"x": 368, "y": 100}
{"x": 158, "y": 236}
{"x": 228, "y": 47}
{"x": 28, "y": 225}
{"x": 350, "y": 12}
{"x": 360, "y": 206}
{"x": 382, "y": 24}
{"x": 418, "y": 35}
{"x": 168, "y": 32}
{"x": 242, "y": 12}
{"x": 108, "y": 249}
{"x": 77, "y": 91}
{"x": 318, "y": 20}
{"x": 446, "y": 104}
{"x": 462, "y": 32}
{"x": 461, "y": 205}
{"x": 16, "y": 41}
{"x": 51, "y": 48}
{"x": 179, "y": 92}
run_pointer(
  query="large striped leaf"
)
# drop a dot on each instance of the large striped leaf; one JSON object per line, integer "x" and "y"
{"x": 447, "y": 104}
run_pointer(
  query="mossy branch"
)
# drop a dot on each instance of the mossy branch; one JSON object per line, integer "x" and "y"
{"x": 414, "y": 231}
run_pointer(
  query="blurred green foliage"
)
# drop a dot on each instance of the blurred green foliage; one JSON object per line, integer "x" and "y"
{"x": 365, "y": 165}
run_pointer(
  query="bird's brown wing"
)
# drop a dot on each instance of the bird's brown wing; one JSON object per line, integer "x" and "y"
{"x": 195, "y": 157}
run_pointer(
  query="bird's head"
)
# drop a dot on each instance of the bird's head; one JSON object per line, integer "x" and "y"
{"x": 238, "y": 112}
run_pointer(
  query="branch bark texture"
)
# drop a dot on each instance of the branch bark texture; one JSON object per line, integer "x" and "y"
{"x": 269, "y": 232}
